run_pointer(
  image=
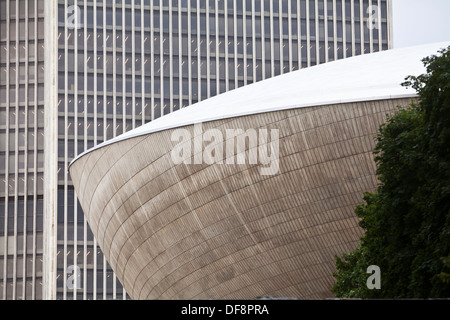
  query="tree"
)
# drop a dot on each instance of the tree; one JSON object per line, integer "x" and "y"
{"x": 407, "y": 221}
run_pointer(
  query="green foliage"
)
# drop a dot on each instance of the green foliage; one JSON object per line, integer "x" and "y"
{"x": 445, "y": 276}
{"x": 407, "y": 221}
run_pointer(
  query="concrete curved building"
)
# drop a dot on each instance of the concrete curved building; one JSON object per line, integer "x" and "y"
{"x": 215, "y": 225}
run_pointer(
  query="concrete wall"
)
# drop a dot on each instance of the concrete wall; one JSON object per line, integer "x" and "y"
{"x": 50, "y": 149}
{"x": 226, "y": 231}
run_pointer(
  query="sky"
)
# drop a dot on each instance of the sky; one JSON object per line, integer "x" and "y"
{"x": 419, "y": 22}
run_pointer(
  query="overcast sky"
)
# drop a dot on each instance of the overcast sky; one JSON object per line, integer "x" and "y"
{"x": 420, "y": 22}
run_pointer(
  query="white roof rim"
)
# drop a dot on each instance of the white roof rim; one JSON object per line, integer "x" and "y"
{"x": 369, "y": 77}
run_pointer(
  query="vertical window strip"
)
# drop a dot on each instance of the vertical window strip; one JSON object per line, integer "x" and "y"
{"x": 35, "y": 160}
{"x": 272, "y": 41}
{"x": 208, "y": 52}
{"x": 263, "y": 36}
{"x": 325, "y": 23}
{"x": 225, "y": 44}
{"x": 281, "y": 35}
{"x": 299, "y": 35}
{"x": 85, "y": 99}
{"x": 75, "y": 145}
{"x": 16, "y": 164}
{"x": 380, "y": 28}
{"x": 352, "y": 15}
{"x": 336, "y": 56}
{"x": 143, "y": 92}
{"x": 124, "y": 76}
{"x": 308, "y": 35}
{"x": 65, "y": 156}
{"x": 199, "y": 55}
{"x": 390, "y": 30}
{"x": 7, "y": 164}
{"x": 235, "y": 44}
{"x": 152, "y": 75}
{"x": 253, "y": 37}
{"x": 362, "y": 25}
{"x": 218, "y": 78}
{"x": 161, "y": 60}
{"x": 244, "y": 45}
{"x": 317, "y": 40}
{"x": 84, "y": 135}
{"x": 25, "y": 191}
{"x": 290, "y": 35}
{"x": 180, "y": 56}
{"x": 170, "y": 60}
{"x": 344, "y": 31}
{"x": 106, "y": 93}
{"x": 133, "y": 71}
{"x": 371, "y": 32}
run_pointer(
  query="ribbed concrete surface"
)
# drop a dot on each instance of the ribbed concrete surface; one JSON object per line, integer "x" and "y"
{"x": 225, "y": 231}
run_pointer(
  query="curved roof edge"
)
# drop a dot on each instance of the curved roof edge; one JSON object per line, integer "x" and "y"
{"x": 368, "y": 77}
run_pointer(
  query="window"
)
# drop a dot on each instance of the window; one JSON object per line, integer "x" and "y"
{"x": 109, "y": 17}
{"x": 3, "y": 34}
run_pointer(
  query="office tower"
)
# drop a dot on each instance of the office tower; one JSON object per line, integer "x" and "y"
{"x": 110, "y": 66}
{"x": 21, "y": 148}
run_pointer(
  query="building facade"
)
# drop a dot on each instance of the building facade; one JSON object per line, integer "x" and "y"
{"x": 112, "y": 66}
{"x": 21, "y": 148}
